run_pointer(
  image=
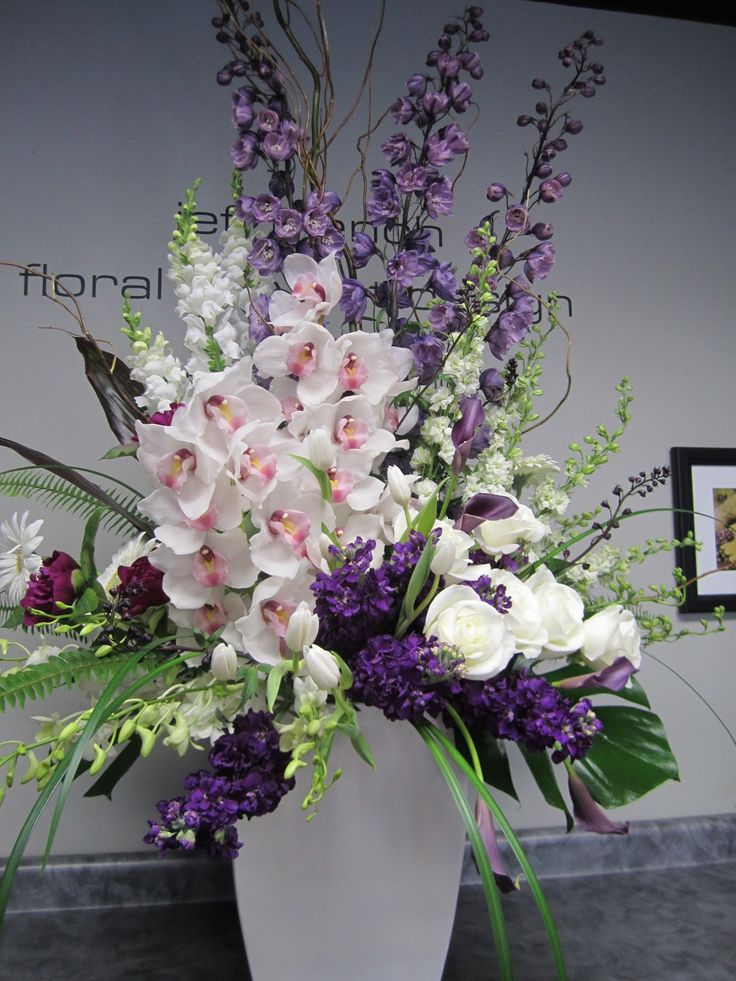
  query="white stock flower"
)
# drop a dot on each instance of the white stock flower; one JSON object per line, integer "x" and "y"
{"x": 19, "y": 540}
{"x": 611, "y": 633}
{"x": 322, "y": 667}
{"x": 456, "y": 616}
{"x": 224, "y": 662}
{"x": 562, "y": 612}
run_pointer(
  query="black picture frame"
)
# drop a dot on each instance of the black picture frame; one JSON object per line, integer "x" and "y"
{"x": 701, "y": 476}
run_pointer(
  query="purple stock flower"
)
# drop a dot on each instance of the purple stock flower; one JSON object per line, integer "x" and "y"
{"x": 539, "y": 262}
{"x": 438, "y": 197}
{"x": 353, "y": 301}
{"x": 52, "y": 584}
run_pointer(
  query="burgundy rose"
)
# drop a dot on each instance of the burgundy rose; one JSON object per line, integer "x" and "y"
{"x": 52, "y": 584}
{"x": 140, "y": 588}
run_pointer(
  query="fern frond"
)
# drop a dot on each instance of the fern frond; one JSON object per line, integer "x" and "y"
{"x": 65, "y": 668}
{"x": 54, "y": 491}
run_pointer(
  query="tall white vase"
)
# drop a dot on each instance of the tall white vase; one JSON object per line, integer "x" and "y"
{"x": 367, "y": 890}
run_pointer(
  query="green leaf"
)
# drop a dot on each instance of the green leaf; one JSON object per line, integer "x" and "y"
{"x": 250, "y": 677}
{"x": 104, "y": 785}
{"x": 424, "y": 521}
{"x": 88, "y": 602}
{"x": 87, "y": 553}
{"x": 542, "y": 769}
{"x": 322, "y": 479}
{"x": 417, "y": 581}
{"x": 14, "y": 618}
{"x": 273, "y": 682}
{"x": 493, "y": 760}
{"x": 129, "y": 449}
{"x": 65, "y": 668}
{"x": 630, "y": 757}
{"x": 363, "y": 749}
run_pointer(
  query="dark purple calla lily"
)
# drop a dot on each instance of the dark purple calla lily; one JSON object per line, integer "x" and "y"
{"x": 588, "y": 815}
{"x": 488, "y": 833}
{"x": 463, "y": 432}
{"x": 485, "y": 507}
{"x": 614, "y": 677}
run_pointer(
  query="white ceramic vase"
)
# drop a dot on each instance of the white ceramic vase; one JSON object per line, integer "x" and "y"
{"x": 367, "y": 890}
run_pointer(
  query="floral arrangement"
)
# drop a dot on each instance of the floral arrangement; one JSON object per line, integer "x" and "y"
{"x": 339, "y": 510}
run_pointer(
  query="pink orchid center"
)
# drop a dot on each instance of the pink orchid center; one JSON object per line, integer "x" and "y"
{"x": 276, "y": 613}
{"x": 259, "y": 463}
{"x": 308, "y": 290}
{"x": 209, "y": 568}
{"x": 341, "y": 482}
{"x": 227, "y": 412}
{"x": 209, "y": 618}
{"x": 353, "y": 373}
{"x": 291, "y": 527}
{"x": 301, "y": 360}
{"x": 351, "y": 433}
{"x": 174, "y": 468}
{"x": 391, "y": 418}
{"x": 291, "y": 405}
{"x": 206, "y": 521}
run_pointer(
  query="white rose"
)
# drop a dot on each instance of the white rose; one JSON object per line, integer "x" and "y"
{"x": 504, "y": 535}
{"x": 322, "y": 667}
{"x": 610, "y": 634}
{"x": 224, "y": 663}
{"x": 457, "y": 617}
{"x": 562, "y": 612}
{"x": 525, "y": 615}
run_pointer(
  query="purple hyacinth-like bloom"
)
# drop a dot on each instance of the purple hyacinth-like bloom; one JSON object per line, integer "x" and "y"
{"x": 384, "y": 203}
{"x": 267, "y": 121}
{"x": 443, "y": 282}
{"x": 539, "y": 262}
{"x": 406, "y": 266}
{"x": 397, "y": 148}
{"x": 411, "y": 177}
{"x": 438, "y": 197}
{"x": 363, "y": 248}
{"x": 404, "y": 111}
{"x": 429, "y": 353}
{"x": 265, "y": 207}
{"x": 265, "y": 256}
{"x": 527, "y": 709}
{"x": 400, "y": 677}
{"x": 353, "y": 301}
{"x": 460, "y": 95}
{"x": 517, "y": 219}
{"x": 417, "y": 85}
{"x": 245, "y": 152}
{"x": 287, "y": 225}
{"x": 247, "y": 780}
{"x": 332, "y": 241}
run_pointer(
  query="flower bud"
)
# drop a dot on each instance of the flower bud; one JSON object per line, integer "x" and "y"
{"x": 302, "y": 628}
{"x": 495, "y": 192}
{"x": 320, "y": 448}
{"x": 224, "y": 663}
{"x": 444, "y": 557}
{"x": 398, "y": 486}
{"x": 322, "y": 667}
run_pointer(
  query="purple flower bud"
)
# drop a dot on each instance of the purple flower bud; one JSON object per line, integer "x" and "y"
{"x": 224, "y": 76}
{"x": 541, "y": 108}
{"x": 587, "y": 91}
{"x": 492, "y": 385}
{"x": 573, "y": 126}
{"x": 460, "y": 95}
{"x": 245, "y": 152}
{"x": 496, "y": 192}
{"x": 397, "y": 148}
{"x": 469, "y": 60}
{"x": 506, "y": 259}
{"x": 363, "y": 248}
{"x": 265, "y": 256}
{"x": 417, "y": 85}
{"x": 435, "y": 103}
{"x": 560, "y": 144}
{"x": 404, "y": 111}
{"x": 543, "y": 231}
{"x": 517, "y": 218}
{"x": 539, "y": 83}
{"x": 278, "y": 184}
{"x": 524, "y": 120}
{"x": 599, "y": 80}
{"x": 444, "y": 43}
{"x": 476, "y": 72}
{"x": 238, "y": 68}
{"x": 432, "y": 58}
{"x": 543, "y": 170}
{"x": 242, "y": 108}
{"x": 564, "y": 179}
{"x": 353, "y": 301}
{"x": 477, "y": 37}
{"x": 474, "y": 13}
{"x": 550, "y": 190}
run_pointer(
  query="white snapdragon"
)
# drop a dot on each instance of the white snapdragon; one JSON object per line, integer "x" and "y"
{"x": 611, "y": 633}
{"x": 160, "y": 372}
{"x": 457, "y": 617}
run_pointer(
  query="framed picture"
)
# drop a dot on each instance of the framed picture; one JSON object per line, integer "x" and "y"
{"x": 704, "y": 489}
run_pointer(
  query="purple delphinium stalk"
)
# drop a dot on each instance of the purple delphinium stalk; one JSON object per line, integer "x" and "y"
{"x": 247, "y": 780}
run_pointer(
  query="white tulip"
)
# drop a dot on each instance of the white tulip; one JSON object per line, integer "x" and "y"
{"x": 224, "y": 663}
{"x": 398, "y": 486}
{"x": 319, "y": 448}
{"x": 322, "y": 667}
{"x": 302, "y": 628}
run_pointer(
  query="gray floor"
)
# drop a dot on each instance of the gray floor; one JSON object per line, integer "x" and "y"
{"x": 675, "y": 925}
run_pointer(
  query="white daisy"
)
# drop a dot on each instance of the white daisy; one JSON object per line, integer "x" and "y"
{"x": 19, "y": 540}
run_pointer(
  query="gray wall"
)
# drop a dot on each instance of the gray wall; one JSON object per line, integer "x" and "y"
{"x": 110, "y": 111}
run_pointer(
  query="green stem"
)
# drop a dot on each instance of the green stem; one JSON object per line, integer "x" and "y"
{"x": 493, "y": 899}
{"x": 513, "y": 841}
